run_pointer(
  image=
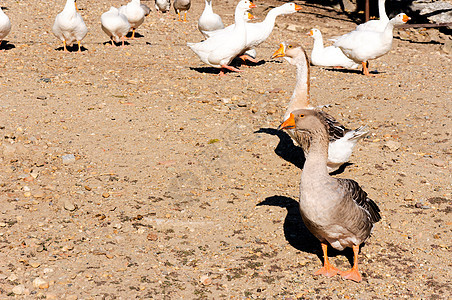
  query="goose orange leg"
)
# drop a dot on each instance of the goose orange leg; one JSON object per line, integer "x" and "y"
{"x": 327, "y": 269}
{"x": 246, "y": 57}
{"x": 64, "y": 46}
{"x": 229, "y": 68}
{"x": 79, "y": 46}
{"x": 353, "y": 273}
{"x": 366, "y": 69}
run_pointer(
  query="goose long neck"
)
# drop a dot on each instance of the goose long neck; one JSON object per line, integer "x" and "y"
{"x": 70, "y": 6}
{"x": 270, "y": 18}
{"x": 318, "y": 42}
{"x": 317, "y": 154}
{"x": 208, "y": 7}
{"x": 301, "y": 94}
{"x": 301, "y": 91}
{"x": 382, "y": 10}
{"x": 389, "y": 28}
{"x": 238, "y": 18}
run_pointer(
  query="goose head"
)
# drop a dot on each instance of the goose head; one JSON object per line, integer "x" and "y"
{"x": 292, "y": 52}
{"x": 400, "y": 19}
{"x": 315, "y": 33}
{"x": 304, "y": 120}
{"x": 289, "y": 8}
{"x": 246, "y": 5}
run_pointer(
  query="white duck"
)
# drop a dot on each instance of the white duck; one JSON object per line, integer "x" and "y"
{"x": 257, "y": 33}
{"x": 115, "y": 25}
{"x": 162, "y": 5}
{"x": 376, "y": 25}
{"x": 362, "y": 46}
{"x": 328, "y": 56}
{"x": 182, "y": 5}
{"x": 69, "y": 26}
{"x": 135, "y": 14}
{"x": 219, "y": 50}
{"x": 342, "y": 140}
{"x": 209, "y": 21}
{"x": 336, "y": 210}
{"x": 5, "y": 25}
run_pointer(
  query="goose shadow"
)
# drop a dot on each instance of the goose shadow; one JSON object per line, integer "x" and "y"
{"x": 295, "y": 231}
{"x": 345, "y": 71}
{"x": 297, "y": 234}
{"x": 212, "y": 70}
{"x": 353, "y": 71}
{"x": 137, "y": 35}
{"x": 5, "y": 45}
{"x": 238, "y": 62}
{"x": 72, "y": 48}
{"x": 109, "y": 43}
{"x": 286, "y": 149}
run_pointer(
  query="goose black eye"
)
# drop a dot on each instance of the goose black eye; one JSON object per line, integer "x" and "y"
{"x": 290, "y": 46}
{"x": 301, "y": 116}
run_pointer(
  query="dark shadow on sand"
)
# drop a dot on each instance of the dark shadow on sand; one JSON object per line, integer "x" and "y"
{"x": 137, "y": 35}
{"x": 108, "y": 43}
{"x": 286, "y": 149}
{"x": 296, "y": 233}
{"x": 73, "y": 48}
{"x": 5, "y": 45}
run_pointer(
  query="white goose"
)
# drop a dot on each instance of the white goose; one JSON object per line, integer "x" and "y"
{"x": 115, "y": 25}
{"x": 5, "y": 25}
{"x": 209, "y": 21}
{"x": 376, "y": 25}
{"x": 257, "y": 33}
{"x": 69, "y": 26}
{"x": 362, "y": 46}
{"x": 219, "y": 50}
{"x": 247, "y": 17}
{"x": 135, "y": 14}
{"x": 162, "y": 6}
{"x": 342, "y": 140}
{"x": 328, "y": 56}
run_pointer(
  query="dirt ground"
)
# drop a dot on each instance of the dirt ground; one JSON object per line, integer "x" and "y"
{"x": 138, "y": 173}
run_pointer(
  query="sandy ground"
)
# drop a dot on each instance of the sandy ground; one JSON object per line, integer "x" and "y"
{"x": 181, "y": 188}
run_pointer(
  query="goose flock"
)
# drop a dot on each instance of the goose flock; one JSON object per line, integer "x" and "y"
{"x": 337, "y": 211}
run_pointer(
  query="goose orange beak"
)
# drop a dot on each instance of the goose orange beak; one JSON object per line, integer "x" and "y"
{"x": 405, "y": 18}
{"x": 251, "y": 17}
{"x": 310, "y": 33}
{"x": 288, "y": 124}
{"x": 252, "y": 5}
{"x": 297, "y": 7}
{"x": 279, "y": 52}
